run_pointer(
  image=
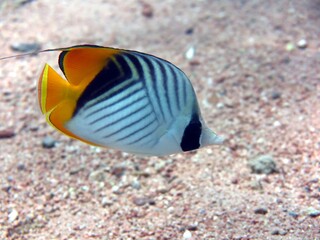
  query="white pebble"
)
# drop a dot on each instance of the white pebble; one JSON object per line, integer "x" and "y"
{"x": 190, "y": 53}
{"x": 302, "y": 43}
{"x": 13, "y": 215}
{"x": 187, "y": 234}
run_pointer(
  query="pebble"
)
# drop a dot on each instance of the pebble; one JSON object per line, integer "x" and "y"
{"x": 106, "y": 202}
{"x": 6, "y": 133}
{"x": 140, "y": 201}
{"x": 25, "y": 47}
{"x": 263, "y": 164}
{"x": 187, "y": 234}
{"x": 278, "y": 231}
{"x": 189, "y": 31}
{"x": 135, "y": 184}
{"x": 275, "y": 95}
{"x": 293, "y": 214}
{"x": 312, "y": 212}
{"x": 118, "y": 170}
{"x": 147, "y": 10}
{"x": 48, "y": 142}
{"x": 21, "y": 166}
{"x": 289, "y": 47}
{"x": 98, "y": 175}
{"x": 116, "y": 189}
{"x": 302, "y": 44}
{"x": 190, "y": 53}
{"x": 192, "y": 227}
{"x": 13, "y": 215}
{"x": 261, "y": 210}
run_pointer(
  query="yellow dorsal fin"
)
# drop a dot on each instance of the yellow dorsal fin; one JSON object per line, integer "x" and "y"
{"x": 84, "y": 62}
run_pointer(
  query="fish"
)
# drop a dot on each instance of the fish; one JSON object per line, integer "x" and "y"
{"x": 123, "y": 99}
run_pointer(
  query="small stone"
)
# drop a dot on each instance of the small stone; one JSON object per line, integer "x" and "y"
{"x": 135, "y": 184}
{"x": 293, "y": 214}
{"x": 147, "y": 10}
{"x": 159, "y": 166}
{"x": 220, "y": 105}
{"x": 312, "y": 212}
{"x": 302, "y": 44}
{"x": 263, "y": 164}
{"x": 278, "y": 231}
{"x": 118, "y": 170}
{"x": 98, "y": 175}
{"x": 187, "y": 234}
{"x": 25, "y": 47}
{"x": 192, "y": 227}
{"x": 6, "y": 133}
{"x": 76, "y": 170}
{"x": 48, "y": 142}
{"x": 106, "y": 202}
{"x": 152, "y": 202}
{"x": 140, "y": 201}
{"x": 261, "y": 210}
{"x": 13, "y": 215}
{"x": 194, "y": 62}
{"x": 190, "y": 53}
{"x": 116, "y": 189}
{"x": 290, "y": 47}
{"x": 275, "y": 95}
{"x": 21, "y": 166}
{"x": 235, "y": 180}
{"x": 189, "y": 31}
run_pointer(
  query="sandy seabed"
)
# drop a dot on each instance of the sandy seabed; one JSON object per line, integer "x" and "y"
{"x": 256, "y": 71}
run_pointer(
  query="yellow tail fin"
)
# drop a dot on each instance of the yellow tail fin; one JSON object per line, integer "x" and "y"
{"x": 55, "y": 99}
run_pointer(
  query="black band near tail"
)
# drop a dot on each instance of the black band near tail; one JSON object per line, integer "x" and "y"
{"x": 191, "y": 136}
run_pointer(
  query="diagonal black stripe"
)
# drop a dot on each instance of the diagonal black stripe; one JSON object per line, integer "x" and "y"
{"x": 124, "y": 97}
{"x": 165, "y": 81}
{"x": 142, "y": 74}
{"x": 123, "y": 117}
{"x": 144, "y": 136}
{"x": 175, "y": 86}
{"x": 115, "y": 111}
{"x": 110, "y": 76}
{"x": 139, "y": 129}
{"x": 128, "y": 125}
{"x": 154, "y": 78}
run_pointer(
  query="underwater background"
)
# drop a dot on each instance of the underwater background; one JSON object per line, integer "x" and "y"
{"x": 254, "y": 65}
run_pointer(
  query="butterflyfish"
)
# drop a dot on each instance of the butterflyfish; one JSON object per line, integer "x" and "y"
{"x": 123, "y": 99}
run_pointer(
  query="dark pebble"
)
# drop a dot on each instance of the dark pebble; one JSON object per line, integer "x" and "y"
{"x": 275, "y": 95}
{"x": 189, "y": 31}
{"x": 6, "y": 133}
{"x": 314, "y": 213}
{"x": 25, "y": 47}
{"x": 21, "y": 166}
{"x": 118, "y": 170}
{"x": 147, "y": 10}
{"x": 48, "y": 142}
{"x": 278, "y": 231}
{"x": 152, "y": 202}
{"x": 261, "y": 210}
{"x": 24, "y": 2}
{"x": 192, "y": 227}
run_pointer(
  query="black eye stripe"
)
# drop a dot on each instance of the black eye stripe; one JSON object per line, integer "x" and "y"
{"x": 191, "y": 136}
